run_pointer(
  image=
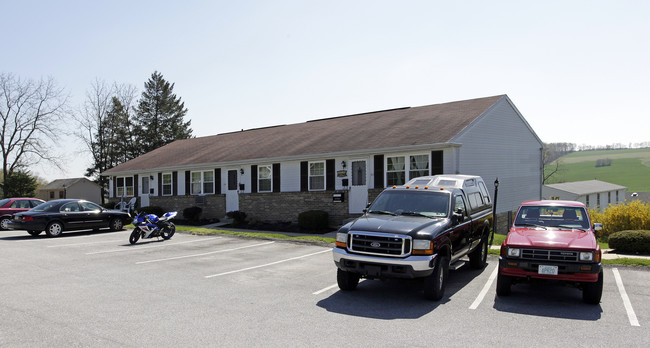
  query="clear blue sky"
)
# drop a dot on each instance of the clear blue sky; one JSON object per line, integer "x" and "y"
{"x": 576, "y": 70}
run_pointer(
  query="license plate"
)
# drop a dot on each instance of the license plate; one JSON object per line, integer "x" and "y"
{"x": 545, "y": 269}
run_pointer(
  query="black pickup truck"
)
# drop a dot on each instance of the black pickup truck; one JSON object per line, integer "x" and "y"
{"x": 417, "y": 230}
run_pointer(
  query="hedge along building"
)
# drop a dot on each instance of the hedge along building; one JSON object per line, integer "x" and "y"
{"x": 338, "y": 164}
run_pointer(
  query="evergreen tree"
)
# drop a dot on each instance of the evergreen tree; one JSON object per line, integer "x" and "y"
{"x": 19, "y": 183}
{"x": 159, "y": 119}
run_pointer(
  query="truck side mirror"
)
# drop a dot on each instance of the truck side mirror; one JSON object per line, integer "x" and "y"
{"x": 458, "y": 215}
{"x": 597, "y": 227}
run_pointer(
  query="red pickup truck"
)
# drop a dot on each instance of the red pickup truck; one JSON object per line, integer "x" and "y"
{"x": 552, "y": 240}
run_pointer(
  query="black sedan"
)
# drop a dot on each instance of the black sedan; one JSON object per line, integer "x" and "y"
{"x": 60, "y": 215}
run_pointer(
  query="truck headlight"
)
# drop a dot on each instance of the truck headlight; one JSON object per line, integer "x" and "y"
{"x": 586, "y": 256}
{"x": 514, "y": 252}
{"x": 341, "y": 240}
{"x": 422, "y": 247}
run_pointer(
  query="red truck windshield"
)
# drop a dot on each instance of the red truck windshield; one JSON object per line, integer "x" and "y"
{"x": 545, "y": 216}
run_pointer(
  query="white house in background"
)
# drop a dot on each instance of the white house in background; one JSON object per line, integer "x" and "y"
{"x": 338, "y": 164}
{"x": 594, "y": 194}
{"x": 80, "y": 188}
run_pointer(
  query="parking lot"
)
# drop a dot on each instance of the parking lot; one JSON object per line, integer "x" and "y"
{"x": 95, "y": 289}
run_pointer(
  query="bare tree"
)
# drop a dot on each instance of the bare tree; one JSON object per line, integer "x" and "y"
{"x": 105, "y": 127}
{"x": 30, "y": 115}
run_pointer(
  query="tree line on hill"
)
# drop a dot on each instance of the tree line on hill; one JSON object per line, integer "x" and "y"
{"x": 113, "y": 124}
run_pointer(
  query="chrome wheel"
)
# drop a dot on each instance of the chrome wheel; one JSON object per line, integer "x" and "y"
{"x": 54, "y": 229}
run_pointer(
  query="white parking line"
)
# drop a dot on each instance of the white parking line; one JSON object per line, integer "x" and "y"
{"x": 486, "y": 287}
{"x": 77, "y": 244}
{"x": 325, "y": 289}
{"x": 265, "y": 265}
{"x": 134, "y": 248}
{"x": 202, "y": 254}
{"x": 626, "y": 300}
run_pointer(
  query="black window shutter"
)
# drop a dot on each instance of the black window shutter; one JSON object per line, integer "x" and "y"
{"x": 175, "y": 184}
{"x": 254, "y": 179}
{"x": 114, "y": 186}
{"x": 217, "y": 181}
{"x": 304, "y": 176}
{"x": 187, "y": 182}
{"x": 379, "y": 171}
{"x": 135, "y": 185}
{"x": 160, "y": 193}
{"x": 330, "y": 175}
{"x": 276, "y": 177}
{"x": 437, "y": 165}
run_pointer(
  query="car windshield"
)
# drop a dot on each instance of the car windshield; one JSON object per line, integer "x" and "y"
{"x": 553, "y": 216}
{"x": 45, "y": 206}
{"x": 402, "y": 202}
{"x": 4, "y": 201}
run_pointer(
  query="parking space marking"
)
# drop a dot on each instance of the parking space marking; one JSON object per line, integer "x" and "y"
{"x": 135, "y": 248}
{"x": 626, "y": 300}
{"x": 266, "y": 265}
{"x": 325, "y": 289}
{"x": 202, "y": 254}
{"x": 485, "y": 289}
{"x": 88, "y": 243}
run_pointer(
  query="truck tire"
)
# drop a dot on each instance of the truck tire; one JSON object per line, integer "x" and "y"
{"x": 347, "y": 280}
{"x": 478, "y": 257}
{"x": 592, "y": 292}
{"x": 503, "y": 284}
{"x": 435, "y": 284}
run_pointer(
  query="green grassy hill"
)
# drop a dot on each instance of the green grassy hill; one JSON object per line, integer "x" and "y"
{"x": 629, "y": 168}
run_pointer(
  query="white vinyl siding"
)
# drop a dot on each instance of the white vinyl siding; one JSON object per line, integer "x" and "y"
{"x": 500, "y": 145}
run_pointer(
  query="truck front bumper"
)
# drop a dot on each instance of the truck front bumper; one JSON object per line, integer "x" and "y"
{"x": 567, "y": 271}
{"x": 384, "y": 267}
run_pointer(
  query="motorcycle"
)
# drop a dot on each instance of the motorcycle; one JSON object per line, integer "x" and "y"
{"x": 150, "y": 225}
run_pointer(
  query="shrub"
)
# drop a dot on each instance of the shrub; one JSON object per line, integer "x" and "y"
{"x": 152, "y": 209}
{"x": 239, "y": 217}
{"x": 313, "y": 220}
{"x": 192, "y": 213}
{"x": 631, "y": 241}
{"x": 634, "y": 215}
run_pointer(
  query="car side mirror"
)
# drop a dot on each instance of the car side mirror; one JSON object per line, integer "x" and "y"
{"x": 597, "y": 227}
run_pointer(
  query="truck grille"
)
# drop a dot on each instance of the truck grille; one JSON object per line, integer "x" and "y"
{"x": 379, "y": 244}
{"x": 549, "y": 255}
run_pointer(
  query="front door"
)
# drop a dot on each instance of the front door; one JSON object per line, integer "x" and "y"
{"x": 144, "y": 195}
{"x": 358, "y": 187}
{"x": 232, "y": 192}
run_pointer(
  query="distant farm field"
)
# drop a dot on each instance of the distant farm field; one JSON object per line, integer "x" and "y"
{"x": 629, "y": 168}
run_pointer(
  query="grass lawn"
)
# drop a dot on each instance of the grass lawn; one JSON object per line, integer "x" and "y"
{"x": 629, "y": 168}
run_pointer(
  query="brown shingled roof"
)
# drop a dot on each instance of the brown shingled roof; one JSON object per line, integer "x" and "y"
{"x": 432, "y": 124}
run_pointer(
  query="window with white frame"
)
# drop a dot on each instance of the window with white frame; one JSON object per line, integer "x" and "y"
{"x": 124, "y": 186}
{"x": 317, "y": 176}
{"x": 396, "y": 172}
{"x": 202, "y": 182}
{"x": 419, "y": 166}
{"x": 167, "y": 184}
{"x": 265, "y": 178}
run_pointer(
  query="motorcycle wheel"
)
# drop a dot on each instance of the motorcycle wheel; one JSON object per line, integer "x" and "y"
{"x": 135, "y": 235}
{"x": 168, "y": 231}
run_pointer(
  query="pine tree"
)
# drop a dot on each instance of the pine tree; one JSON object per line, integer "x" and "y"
{"x": 159, "y": 119}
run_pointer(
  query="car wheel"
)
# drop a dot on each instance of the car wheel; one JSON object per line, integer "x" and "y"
{"x": 4, "y": 223}
{"x": 168, "y": 231}
{"x": 116, "y": 224}
{"x": 54, "y": 229}
{"x": 592, "y": 292}
{"x": 34, "y": 233}
{"x": 478, "y": 257}
{"x": 435, "y": 284}
{"x": 504, "y": 283}
{"x": 347, "y": 280}
{"x": 135, "y": 235}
